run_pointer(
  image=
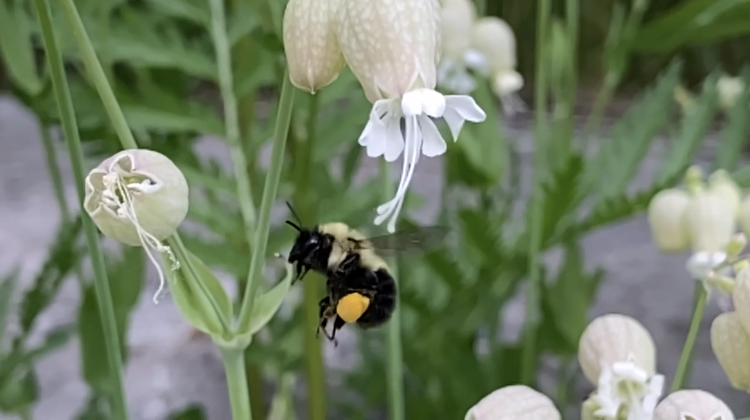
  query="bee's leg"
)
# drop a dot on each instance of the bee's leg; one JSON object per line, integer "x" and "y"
{"x": 325, "y": 307}
{"x": 337, "y": 324}
{"x": 302, "y": 269}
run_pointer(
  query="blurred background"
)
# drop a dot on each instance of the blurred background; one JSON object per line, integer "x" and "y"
{"x": 634, "y": 99}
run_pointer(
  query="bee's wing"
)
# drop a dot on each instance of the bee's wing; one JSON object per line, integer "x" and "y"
{"x": 410, "y": 240}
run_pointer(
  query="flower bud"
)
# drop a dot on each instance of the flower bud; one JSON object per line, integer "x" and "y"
{"x": 615, "y": 338}
{"x": 457, "y": 20}
{"x": 137, "y": 196}
{"x": 512, "y": 403}
{"x": 312, "y": 50}
{"x": 665, "y": 218}
{"x": 709, "y": 220}
{"x": 722, "y": 183}
{"x": 731, "y": 345}
{"x": 692, "y": 404}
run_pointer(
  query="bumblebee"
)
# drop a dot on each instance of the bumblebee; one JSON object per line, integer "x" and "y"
{"x": 360, "y": 287}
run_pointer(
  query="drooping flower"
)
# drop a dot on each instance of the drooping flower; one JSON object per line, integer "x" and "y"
{"x": 312, "y": 51}
{"x": 514, "y": 402}
{"x": 494, "y": 39}
{"x": 392, "y": 47}
{"x": 665, "y": 214}
{"x": 618, "y": 356}
{"x": 457, "y": 54}
{"x": 692, "y": 404}
{"x": 138, "y": 197}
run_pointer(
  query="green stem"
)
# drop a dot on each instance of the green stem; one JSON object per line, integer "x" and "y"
{"x": 687, "y": 350}
{"x": 101, "y": 284}
{"x": 231, "y": 116}
{"x": 55, "y": 175}
{"x": 281, "y": 130}
{"x": 394, "y": 355}
{"x": 98, "y": 77}
{"x": 532, "y": 315}
{"x": 234, "y": 366}
{"x": 312, "y": 290}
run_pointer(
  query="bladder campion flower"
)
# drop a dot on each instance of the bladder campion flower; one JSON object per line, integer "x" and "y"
{"x": 692, "y": 404}
{"x": 514, "y": 402}
{"x": 457, "y": 54}
{"x": 730, "y": 89}
{"x": 665, "y": 214}
{"x": 617, "y": 354}
{"x": 312, "y": 51}
{"x": 731, "y": 345}
{"x": 138, "y": 197}
{"x": 495, "y": 40}
{"x": 392, "y": 47}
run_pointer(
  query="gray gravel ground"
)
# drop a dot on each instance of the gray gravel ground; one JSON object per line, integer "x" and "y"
{"x": 169, "y": 367}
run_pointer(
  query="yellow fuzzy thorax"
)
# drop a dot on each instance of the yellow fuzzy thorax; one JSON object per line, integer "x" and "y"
{"x": 352, "y": 306}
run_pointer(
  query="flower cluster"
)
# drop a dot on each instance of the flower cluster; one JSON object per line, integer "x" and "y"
{"x": 617, "y": 355}
{"x": 485, "y": 46}
{"x": 700, "y": 216}
{"x": 393, "y": 48}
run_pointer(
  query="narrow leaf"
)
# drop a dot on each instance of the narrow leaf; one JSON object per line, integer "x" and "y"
{"x": 266, "y": 305}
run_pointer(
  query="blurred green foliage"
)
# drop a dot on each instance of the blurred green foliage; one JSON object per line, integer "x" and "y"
{"x": 159, "y": 58}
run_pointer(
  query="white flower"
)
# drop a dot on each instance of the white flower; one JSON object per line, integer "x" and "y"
{"x": 514, "y": 402}
{"x": 625, "y": 385}
{"x": 392, "y": 48}
{"x": 495, "y": 40}
{"x": 458, "y": 55}
{"x": 312, "y": 52}
{"x": 617, "y": 354}
{"x": 692, "y": 404}
{"x": 730, "y": 89}
{"x": 138, "y": 197}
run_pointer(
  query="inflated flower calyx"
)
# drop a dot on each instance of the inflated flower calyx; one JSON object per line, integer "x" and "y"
{"x": 743, "y": 214}
{"x": 615, "y": 338}
{"x": 514, "y": 402}
{"x": 730, "y": 90}
{"x": 312, "y": 51}
{"x": 731, "y": 345}
{"x": 709, "y": 220}
{"x": 138, "y": 197}
{"x": 722, "y": 183}
{"x": 665, "y": 218}
{"x": 692, "y": 404}
{"x": 741, "y": 297}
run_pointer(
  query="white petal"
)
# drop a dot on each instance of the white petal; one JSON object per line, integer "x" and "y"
{"x": 432, "y": 142}
{"x": 433, "y": 103}
{"x": 394, "y": 142}
{"x": 460, "y": 108}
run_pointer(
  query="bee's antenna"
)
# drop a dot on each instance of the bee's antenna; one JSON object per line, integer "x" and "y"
{"x": 298, "y": 226}
{"x": 290, "y": 223}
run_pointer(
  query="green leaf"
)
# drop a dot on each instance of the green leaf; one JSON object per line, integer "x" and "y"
{"x": 196, "y": 300}
{"x": 266, "y": 305}
{"x": 7, "y": 288}
{"x": 560, "y": 196}
{"x": 694, "y": 22}
{"x": 613, "y": 168}
{"x": 692, "y": 131}
{"x": 734, "y": 135}
{"x": 19, "y": 393}
{"x": 63, "y": 256}
{"x": 566, "y": 302}
{"x": 125, "y": 282}
{"x": 16, "y": 48}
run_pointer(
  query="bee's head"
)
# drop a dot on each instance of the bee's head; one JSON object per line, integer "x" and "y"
{"x": 308, "y": 245}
